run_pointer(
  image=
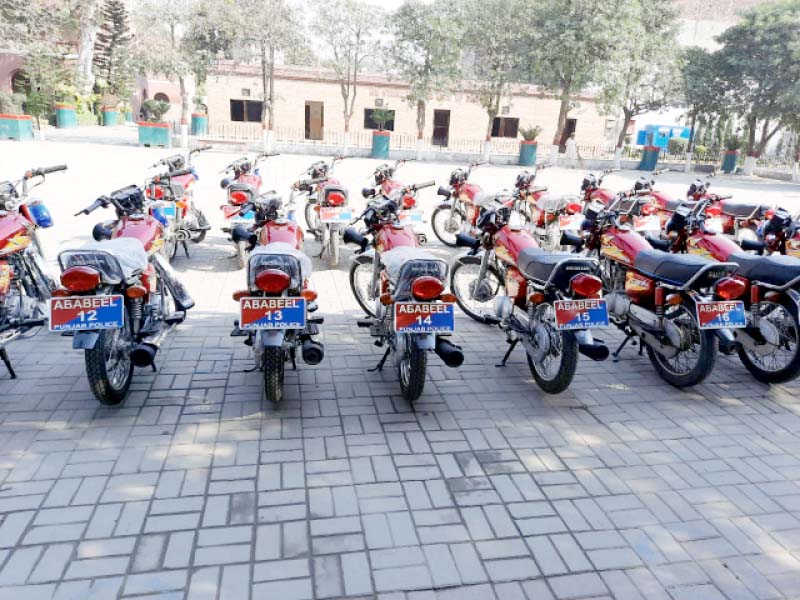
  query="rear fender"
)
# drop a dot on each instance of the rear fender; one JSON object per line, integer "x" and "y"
{"x": 85, "y": 340}
{"x": 425, "y": 341}
{"x": 270, "y": 338}
{"x": 183, "y": 301}
{"x": 446, "y": 204}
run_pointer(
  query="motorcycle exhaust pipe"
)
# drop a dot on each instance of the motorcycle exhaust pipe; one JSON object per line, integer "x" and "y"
{"x": 450, "y": 354}
{"x": 596, "y": 351}
{"x": 144, "y": 353}
{"x": 727, "y": 342}
{"x": 313, "y": 352}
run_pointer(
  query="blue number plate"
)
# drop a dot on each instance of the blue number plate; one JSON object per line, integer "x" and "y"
{"x": 581, "y": 314}
{"x": 248, "y": 217}
{"x": 81, "y": 313}
{"x": 411, "y": 216}
{"x": 721, "y": 314}
{"x": 272, "y": 313}
{"x": 169, "y": 210}
{"x": 417, "y": 317}
{"x": 335, "y": 214}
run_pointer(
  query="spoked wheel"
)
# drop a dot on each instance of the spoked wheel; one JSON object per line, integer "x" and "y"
{"x": 202, "y": 224}
{"x": 778, "y": 359}
{"x": 361, "y": 283}
{"x": 108, "y": 364}
{"x": 170, "y": 247}
{"x": 241, "y": 254}
{"x": 312, "y": 218}
{"x": 476, "y": 298}
{"x": 274, "y": 365}
{"x": 555, "y": 355}
{"x": 697, "y": 351}
{"x": 446, "y": 223}
{"x": 411, "y": 369}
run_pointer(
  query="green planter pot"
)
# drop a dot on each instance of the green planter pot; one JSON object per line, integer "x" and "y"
{"x": 128, "y": 116}
{"x": 16, "y": 127}
{"x": 730, "y": 160}
{"x": 199, "y": 124}
{"x": 155, "y": 134}
{"x": 649, "y": 158}
{"x": 110, "y": 117}
{"x": 380, "y": 144}
{"x": 527, "y": 153}
{"x": 66, "y": 116}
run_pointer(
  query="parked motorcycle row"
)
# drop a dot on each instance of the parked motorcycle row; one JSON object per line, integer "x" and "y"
{"x": 683, "y": 278}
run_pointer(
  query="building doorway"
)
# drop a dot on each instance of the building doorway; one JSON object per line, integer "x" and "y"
{"x": 441, "y": 127}
{"x": 315, "y": 120}
{"x": 569, "y": 129}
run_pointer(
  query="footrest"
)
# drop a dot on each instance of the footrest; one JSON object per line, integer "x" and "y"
{"x": 316, "y": 320}
{"x": 365, "y": 323}
{"x": 175, "y": 318}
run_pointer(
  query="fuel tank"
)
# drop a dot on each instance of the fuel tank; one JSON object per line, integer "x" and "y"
{"x": 13, "y": 232}
{"x": 281, "y": 230}
{"x": 144, "y": 228}
{"x": 714, "y": 246}
{"x": 392, "y": 236}
{"x": 622, "y": 245}
{"x": 508, "y": 243}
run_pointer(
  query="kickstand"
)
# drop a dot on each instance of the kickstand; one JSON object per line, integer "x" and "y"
{"x": 379, "y": 366}
{"x": 512, "y": 345}
{"x": 294, "y": 362}
{"x": 186, "y": 247}
{"x": 628, "y": 338}
{"x": 7, "y": 361}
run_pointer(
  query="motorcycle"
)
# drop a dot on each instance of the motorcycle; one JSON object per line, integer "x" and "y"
{"x": 740, "y": 220}
{"x": 327, "y": 207}
{"x": 274, "y": 308}
{"x": 681, "y": 307}
{"x": 385, "y": 185}
{"x": 25, "y": 280}
{"x": 190, "y": 223}
{"x": 458, "y": 211}
{"x": 119, "y": 297}
{"x": 546, "y": 216}
{"x": 245, "y": 186}
{"x": 166, "y": 201}
{"x": 769, "y": 340}
{"x": 779, "y": 234}
{"x": 551, "y": 300}
{"x": 402, "y": 288}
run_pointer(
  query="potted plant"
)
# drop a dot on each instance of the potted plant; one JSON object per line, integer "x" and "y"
{"x": 650, "y": 154}
{"x": 109, "y": 110}
{"x": 66, "y": 113}
{"x": 528, "y": 145}
{"x": 126, "y": 111}
{"x": 380, "y": 137}
{"x": 13, "y": 123}
{"x": 200, "y": 116}
{"x": 153, "y": 131}
{"x": 732, "y": 147}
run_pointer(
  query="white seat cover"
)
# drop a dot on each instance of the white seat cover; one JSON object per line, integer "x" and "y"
{"x": 283, "y": 248}
{"x": 395, "y": 258}
{"x": 128, "y": 251}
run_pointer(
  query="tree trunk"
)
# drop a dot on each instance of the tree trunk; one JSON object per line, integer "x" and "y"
{"x": 752, "y": 122}
{"x": 184, "y": 111}
{"x": 88, "y": 38}
{"x": 627, "y": 115}
{"x": 420, "y": 119}
{"x": 271, "y": 123}
{"x": 563, "y": 111}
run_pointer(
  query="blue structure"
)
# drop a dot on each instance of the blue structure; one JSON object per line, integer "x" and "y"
{"x": 661, "y": 134}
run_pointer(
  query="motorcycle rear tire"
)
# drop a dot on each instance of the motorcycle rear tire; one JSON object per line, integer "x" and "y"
{"x": 99, "y": 381}
{"x": 333, "y": 249}
{"x": 366, "y": 304}
{"x": 474, "y": 260}
{"x": 446, "y": 238}
{"x": 416, "y": 360}
{"x": 274, "y": 365}
{"x": 566, "y": 370}
{"x": 312, "y": 219}
{"x": 241, "y": 254}
{"x": 787, "y": 373}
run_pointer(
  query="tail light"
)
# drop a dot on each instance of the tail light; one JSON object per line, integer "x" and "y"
{"x": 714, "y": 210}
{"x": 336, "y": 199}
{"x": 272, "y": 281}
{"x": 573, "y": 208}
{"x": 426, "y": 288}
{"x": 649, "y": 209}
{"x": 730, "y": 288}
{"x": 769, "y": 214}
{"x": 238, "y": 197}
{"x": 309, "y": 295}
{"x": 81, "y": 279}
{"x": 586, "y": 285}
{"x": 183, "y": 207}
{"x": 409, "y": 201}
{"x": 154, "y": 193}
{"x": 239, "y": 294}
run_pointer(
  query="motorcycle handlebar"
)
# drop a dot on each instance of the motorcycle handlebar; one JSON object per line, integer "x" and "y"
{"x": 101, "y": 202}
{"x": 44, "y": 171}
{"x": 179, "y": 173}
{"x": 423, "y": 185}
{"x": 609, "y": 171}
{"x": 200, "y": 149}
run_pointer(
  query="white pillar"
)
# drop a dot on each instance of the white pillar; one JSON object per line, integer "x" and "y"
{"x": 346, "y": 145}
{"x": 617, "y": 158}
{"x": 749, "y": 165}
{"x": 487, "y": 150}
{"x": 42, "y": 128}
{"x": 688, "y": 168}
{"x": 419, "y": 148}
{"x": 267, "y": 136}
{"x": 553, "y": 155}
{"x": 796, "y": 172}
{"x": 184, "y": 135}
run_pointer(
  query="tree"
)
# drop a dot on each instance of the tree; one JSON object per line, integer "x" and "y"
{"x": 87, "y": 36}
{"x": 425, "y": 52}
{"x": 572, "y": 40}
{"x": 641, "y": 75}
{"x": 346, "y": 28}
{"x": 760, "y": 72}
{"x": 495, "y": 37}
{"x": 112, "y": 49}
{"x": 699, "y": 90}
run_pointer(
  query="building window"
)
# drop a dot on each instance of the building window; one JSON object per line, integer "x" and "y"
{"x": 369, "y": 121}
{"x": 161, "y": 97}
{"x": 245, "y": 92}
{"x": 20, "y": 83}
{"x": 246, "y": 110}
{"x": 505, "y": 127}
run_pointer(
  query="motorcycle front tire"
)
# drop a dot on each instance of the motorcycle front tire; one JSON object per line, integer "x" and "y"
{"x": 100, "y": 381}
{"x": 411, "y": 371}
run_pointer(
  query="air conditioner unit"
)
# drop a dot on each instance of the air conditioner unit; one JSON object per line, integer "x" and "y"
{"x": 505, "y": 110}
{"x": 378, "y": 102}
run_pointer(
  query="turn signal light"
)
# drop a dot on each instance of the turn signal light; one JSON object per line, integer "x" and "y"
{"x": 714, "y": 210}
{"x": 586, "y": 285}
{"x": 674, "y": 299}
{"x": 309, "y": 295}
{"x": 730, "y": 288}
{"x": 426, "y": 288}
{"x": 448, "y": 297}
{"x": 386, "y": 299}
{"x": 61, "y": 293}
{"x": 772, "y": 296}
{"x": 238, "y": 295}
{"x": 80, "y": 279}
{"x": 272, "y": 281}
{"x": 536, "y": 298}
{"x": 136, "y": 291}
{"x": 573, "y": 208}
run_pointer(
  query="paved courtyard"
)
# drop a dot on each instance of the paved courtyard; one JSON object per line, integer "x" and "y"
{"x": 197, "y": 489}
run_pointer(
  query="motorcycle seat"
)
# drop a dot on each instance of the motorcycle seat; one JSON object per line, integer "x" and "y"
{"x": 282, "y": 248}
{"x": 774, "y": 270}
{"x": 243, "y": 187}
{"x": 129, "y": 252}
{"x": 744, "y": 209}
{"x": 671, "y": 204}
{"x": 483, "y": 198}
{"x": 395, "y": 258}
{"x": 677, "y": 269}
{"x": 538, "y": 264}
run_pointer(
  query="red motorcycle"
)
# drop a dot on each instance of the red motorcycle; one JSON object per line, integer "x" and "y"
{"x": 244, "y": 187}
{"x": 119, "y": 297}
{"x": 386, "y": 185}
{"x": 679, "y": 306}
{"x": 556, "y": 296}
{"x": 327, "y": 208}
{"x": 25, "y": 281}
{"x": 637, "y": 207}
{"x": 459, "y": 210}
{"x": 402, "y": 287}
{"x": 769, "y": 343}
{"x": 274, "y": 308}
{"x": 779, "y": 234}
